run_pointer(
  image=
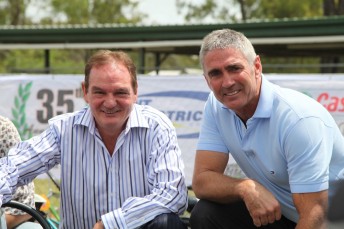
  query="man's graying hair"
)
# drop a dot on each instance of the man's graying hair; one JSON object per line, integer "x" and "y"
{"x": 227, "y": 38}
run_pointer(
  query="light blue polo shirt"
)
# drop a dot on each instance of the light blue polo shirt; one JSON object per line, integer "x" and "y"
{"x": 291, "y": 144}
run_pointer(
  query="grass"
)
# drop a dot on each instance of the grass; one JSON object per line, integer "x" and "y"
{"x": 46, "y": 188}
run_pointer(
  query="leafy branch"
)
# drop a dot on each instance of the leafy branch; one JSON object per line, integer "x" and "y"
{"x": 18, "y": 112}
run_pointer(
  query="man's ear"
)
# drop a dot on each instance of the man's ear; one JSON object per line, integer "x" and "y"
{"x": 207, "y": 80}
{"x": 84, "y": 90}
{"x": 136, "y": 93}
{"x": 258, "y": 68}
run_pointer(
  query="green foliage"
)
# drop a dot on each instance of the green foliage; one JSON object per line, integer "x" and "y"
{"x": 68, "y": 61}
{"x": 122, "y": 11}
{"x": 241, "y": 10}
{"x": 12, "y": 12}
{"x": 61, "y": 12}
{"x": 21, "y": 61}
{"x": 287, "y": 9}
{"x": 19, "y": 113}
{"x": 197, "y": 11}
{"x": 171, "y": 62}
{"x": 76, "y": 11}
{"x": 290, "y": 65}
{"x": 46, "y": 188}
{"x": 245, "y": 10}
{"x": 96, "y": 11}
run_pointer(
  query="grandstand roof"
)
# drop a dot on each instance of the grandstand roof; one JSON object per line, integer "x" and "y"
{"x": 321, "y": 36}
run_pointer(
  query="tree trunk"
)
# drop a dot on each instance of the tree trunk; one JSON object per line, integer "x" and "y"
{"x": 331, "y": 8}
{"x": 242, "y": 9}
{"x": 341, "y": 7}
{"x": 15, "y": 12}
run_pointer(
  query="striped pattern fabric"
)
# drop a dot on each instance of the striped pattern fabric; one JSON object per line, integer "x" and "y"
{"x": 142, "y": 179}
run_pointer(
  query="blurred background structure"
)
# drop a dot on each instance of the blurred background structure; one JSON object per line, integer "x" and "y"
{"x": 56, "y": 36}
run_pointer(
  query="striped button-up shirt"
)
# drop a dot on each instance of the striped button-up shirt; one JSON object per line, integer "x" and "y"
{"x": 142, "y": 179}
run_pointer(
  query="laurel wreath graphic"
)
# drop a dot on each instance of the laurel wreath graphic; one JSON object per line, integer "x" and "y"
{"x": 18, "y": 112}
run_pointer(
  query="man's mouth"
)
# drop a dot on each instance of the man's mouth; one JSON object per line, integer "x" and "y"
{"x": 231, "y": 93}
{"x": 110, "y": 111}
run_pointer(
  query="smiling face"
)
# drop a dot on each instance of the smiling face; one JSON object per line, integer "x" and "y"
{"x": 110, "y": 96}
{"x": 234, "y": 81}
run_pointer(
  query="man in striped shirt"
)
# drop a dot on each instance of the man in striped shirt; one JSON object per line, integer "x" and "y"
{"x": 121, "y": 165}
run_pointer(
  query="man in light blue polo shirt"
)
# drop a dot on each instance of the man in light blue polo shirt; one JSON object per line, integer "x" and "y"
{"x": 286, "y": 143}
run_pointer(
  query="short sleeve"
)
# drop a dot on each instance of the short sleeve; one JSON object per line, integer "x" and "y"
{"x": 210, "y": 137}
{"x": 308, "y": 152}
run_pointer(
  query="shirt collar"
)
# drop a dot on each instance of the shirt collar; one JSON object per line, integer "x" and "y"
{"x": 266, "y": 99}
{"x": 86, "y": 119}
{"x": 136, "y": 119}
{"x": 265, "y": 103}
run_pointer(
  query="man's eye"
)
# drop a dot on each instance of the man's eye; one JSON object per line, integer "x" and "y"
{"x": 213, "y": 74}
{"x": 122, "y": 93}
{"x": 234, "y": 68}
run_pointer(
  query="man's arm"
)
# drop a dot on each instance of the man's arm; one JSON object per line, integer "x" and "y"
{"x": 99, "y": 225}
{"x": 312, "y": 209}
{"x": 210, "y": 183}
{"x": 14, "y": 220}
{"x": 165, "y": 177}
{"x": 23, "y": 194}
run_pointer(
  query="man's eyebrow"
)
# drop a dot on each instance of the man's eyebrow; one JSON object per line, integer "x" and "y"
{"x": 122, "y": 89}
{"x": 234, "y": 64}
{"x": 212, "y": 71}
{"x": 95, "y": 88}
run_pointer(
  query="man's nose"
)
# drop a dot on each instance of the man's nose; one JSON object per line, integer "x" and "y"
{"x": 228, "y": 80}
{"x": 110, "y": 101}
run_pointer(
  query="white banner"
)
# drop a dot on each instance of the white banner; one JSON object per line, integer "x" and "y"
{"x": 30, "y": 100}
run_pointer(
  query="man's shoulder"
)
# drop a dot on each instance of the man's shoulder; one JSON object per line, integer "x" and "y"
{"x": 153, "y": 115}
{"x": 149, "y": 111}
{"x": 297, "y": 101}
{"x": 66, "y": 117}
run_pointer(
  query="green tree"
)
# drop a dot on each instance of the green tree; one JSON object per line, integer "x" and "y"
{"x": 332, "y": 7}
{"x": 242, "y": 10}
{"x": 12, "y": 12}
{"x": 193, "y": 11}
{"x": 222, "y": 12}
{"x": 216, "y": 11}
{"x": 90, "y": 12}
{"x": 96, "y": 11}
{"x": 288, "y": 9}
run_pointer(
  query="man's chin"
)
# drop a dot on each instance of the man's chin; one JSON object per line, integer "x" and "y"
{"x": 231, "y": 105}
{"x": 108, "y": 119}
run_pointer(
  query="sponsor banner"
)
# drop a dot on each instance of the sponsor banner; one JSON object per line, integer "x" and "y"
{"x": 31, "y": 100}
